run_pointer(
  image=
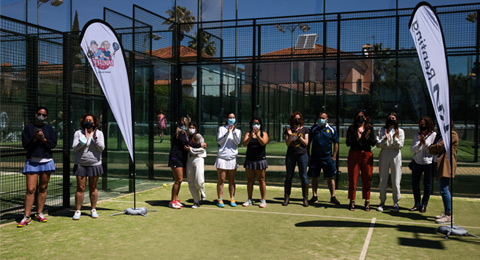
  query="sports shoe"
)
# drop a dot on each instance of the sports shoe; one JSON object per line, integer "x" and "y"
{"x": 334, "y": 201}
{"x": 396, "y": 208}
{"x": 174, "y": 205}
{"x": 220, "y": 203}
{"x": 313, "y": 199}
{"x": 77, "y": 215}
{"x": 233, "y": 202}
{"x": 40, "y": 218}
{"x": 179, "y": 203}
{"x": 94, "y": 213}
{"x": 263, "y": 204}
{"x": 195, "y": 205}
{"x": 444, "y": 220}
{"x": 380, "y": 208}
{"x": 247, "y": 203}
{"x": 440, "y": 216}
{"x": 25, "y": 221}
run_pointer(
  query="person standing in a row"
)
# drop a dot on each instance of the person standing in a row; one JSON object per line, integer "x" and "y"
{"x": 256, "y": 162}
{"x": 422, "y": 163}
{"x": 88, "y": 144}
{"x": 196, "y": 166}
{"x": 38, "y": 139}
{"x": 360, "y": 139}
{"x": 322, "y": 137}
{"x": 228, "y": 139}
{"x": 296, "y": 138}
{"x": 390, "y": 140}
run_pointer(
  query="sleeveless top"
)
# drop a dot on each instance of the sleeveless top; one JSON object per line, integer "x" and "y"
{"x": 255, "y": 151}
{"x": 161, "y": 122}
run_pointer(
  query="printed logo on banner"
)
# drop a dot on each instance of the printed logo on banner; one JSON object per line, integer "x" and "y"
{"x": 101, "y": 56}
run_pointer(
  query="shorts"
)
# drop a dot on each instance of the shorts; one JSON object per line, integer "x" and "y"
{"x": 226, "y": 164}
{"x": 38, "y": 168}
{"x": 328, "y": 166}
{"x": 87, "y": 171}
{"x": 175, "y": 163}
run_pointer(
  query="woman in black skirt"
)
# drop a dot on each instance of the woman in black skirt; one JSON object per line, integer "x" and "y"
{"x": 88, "y": 144}
{"x": 256, "y": 140}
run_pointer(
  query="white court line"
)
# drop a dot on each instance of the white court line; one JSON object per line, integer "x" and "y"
{"x": 367, "y": 240}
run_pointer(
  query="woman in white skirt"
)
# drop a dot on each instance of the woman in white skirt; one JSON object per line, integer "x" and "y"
{"x": 228, "y": 138}
{"x": 88, "y": 144}
{"x": 255, "y": 162}
{"x": 390, "y": 139}
{"x": 196, "y": 166}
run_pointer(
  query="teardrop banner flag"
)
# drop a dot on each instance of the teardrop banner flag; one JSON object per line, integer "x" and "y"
{"x": 105, "y": 54}
{"x": 428, "y": 37}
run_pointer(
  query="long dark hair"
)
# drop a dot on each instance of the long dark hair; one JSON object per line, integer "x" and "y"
{"x": 96, "y": 122}
{"x": 193, "y": 137}
{"x": 230, "y": 113}
{"x": 259, "y": 121}
{"x": 396, "y": 120}
{"x": 367, "y": 119}
{"x": 428, "y": 123}
{"x": 291, "y": 120}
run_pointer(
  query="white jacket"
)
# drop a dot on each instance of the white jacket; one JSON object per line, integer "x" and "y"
{"x": 420, "y": 151}
{"x": 228, "y": 142}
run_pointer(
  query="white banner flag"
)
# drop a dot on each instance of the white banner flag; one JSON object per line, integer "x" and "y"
{"x": 99, "y": 42}
{"x": 428, "y": 37}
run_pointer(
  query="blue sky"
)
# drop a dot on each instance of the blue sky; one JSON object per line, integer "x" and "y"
{"x": 58, "y": 17}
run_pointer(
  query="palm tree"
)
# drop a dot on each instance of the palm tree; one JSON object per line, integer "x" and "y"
{"x": 208, "y": 46}
{"x": 183, "y": 17}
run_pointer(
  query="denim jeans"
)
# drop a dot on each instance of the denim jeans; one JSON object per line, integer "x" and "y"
{"x": 302, "y": 162}
{"x": 445, "y": 192}
{"x": 417, "y": 171}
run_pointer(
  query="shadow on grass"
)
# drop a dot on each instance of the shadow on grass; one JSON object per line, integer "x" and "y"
{"x": 412, "y": 242}
{"x": 70, "y": 211}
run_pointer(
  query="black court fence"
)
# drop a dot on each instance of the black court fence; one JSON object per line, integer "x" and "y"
{"x": 269, "y": 67}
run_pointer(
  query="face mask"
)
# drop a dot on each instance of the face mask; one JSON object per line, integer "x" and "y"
{"x": 88, "y": 125}
{"x": 322, "y": 122}
{"x": 297, "y": 121}
{"x": 40, "y": 118}
{"x": 422, "y": 128}
{"x": 256, "y": 126}
{"x": 231, "y": 121}
{"x": 191, "y": 131}
{"x": 183, "y": 127}
{"x": 391, "y": 121}
{"x": 360, "y": 119}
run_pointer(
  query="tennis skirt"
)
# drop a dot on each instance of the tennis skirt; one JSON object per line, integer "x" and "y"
{"x": 38, "y": 168}
{"x": 255, "y": 165}
{"x": 226, "y": 164}
{"x": 87, "y": 171}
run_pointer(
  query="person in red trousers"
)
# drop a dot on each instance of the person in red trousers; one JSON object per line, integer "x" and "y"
{"x": 360, "y": 139}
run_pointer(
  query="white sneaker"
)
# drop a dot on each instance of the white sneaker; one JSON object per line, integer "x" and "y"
{"x": 247, "y": 203}
{"x": 380, "y": 208}
{"x": 442, "y": 215}
{"x": 396, "y": 208}
{"x": 263, "y": 203}
{"x": 77, "y": 214}
{"x": 195, "y": 205}
{"x": 94, "y": 213}
{"x": 446, "y": 219}
{"x": 174, "y": 205}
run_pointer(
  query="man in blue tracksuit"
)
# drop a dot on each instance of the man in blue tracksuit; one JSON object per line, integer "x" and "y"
{"x": 322, "y": 137}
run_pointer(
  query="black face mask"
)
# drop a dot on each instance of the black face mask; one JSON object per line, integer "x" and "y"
{"x": 360, "y": 119}
{"x": 297, "y": 121}
{"x": 391, "y": 121}
{"x": 88, "y": 125}
{"x": 422, "y": 128}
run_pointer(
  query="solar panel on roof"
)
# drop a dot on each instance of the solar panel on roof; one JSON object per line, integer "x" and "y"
{"x": 306, "y": 41}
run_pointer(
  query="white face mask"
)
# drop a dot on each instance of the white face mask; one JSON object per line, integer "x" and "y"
{"x": 191, "y": 131}
{"x": 256, "y": 126}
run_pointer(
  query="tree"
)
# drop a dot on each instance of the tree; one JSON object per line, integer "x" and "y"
{"x": 184, "y": 19}
{"x": 208, "y": 46}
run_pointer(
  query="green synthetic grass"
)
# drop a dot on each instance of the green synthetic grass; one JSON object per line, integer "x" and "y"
{"x": 275, "y": 232}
